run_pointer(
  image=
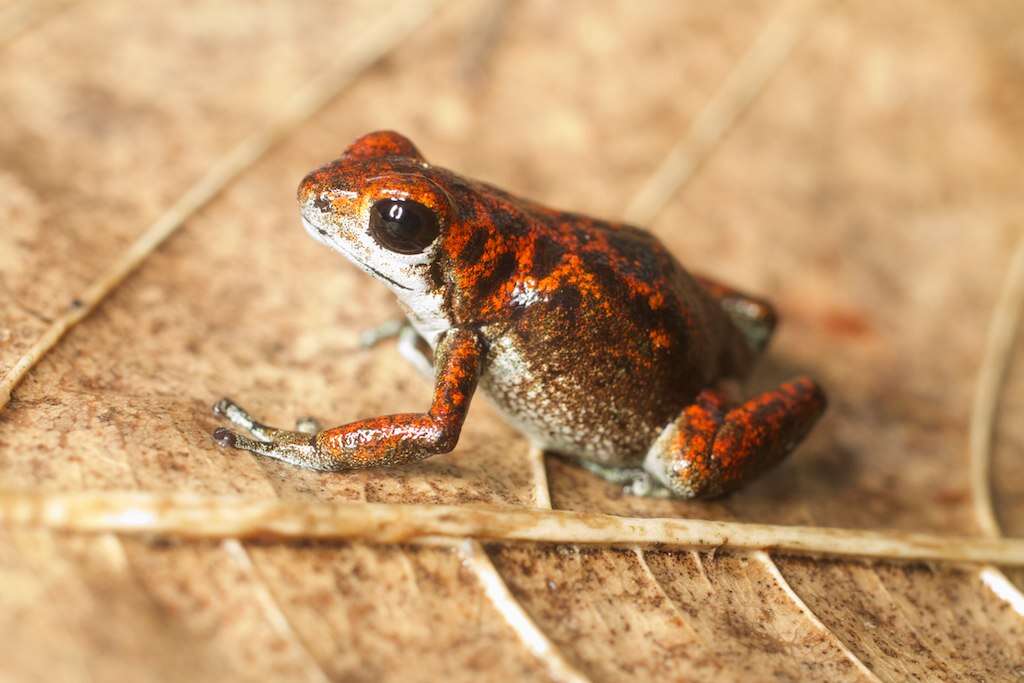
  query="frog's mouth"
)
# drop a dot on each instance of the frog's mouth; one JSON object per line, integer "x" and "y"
{"x": 381, "y": 275}
{"x": 316, "y": 232}
{"x": 324, "y": 237}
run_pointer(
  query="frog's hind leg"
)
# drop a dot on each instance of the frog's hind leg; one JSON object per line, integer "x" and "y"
{"x": 755, "y": 318}
{"x": 712, "y": 449}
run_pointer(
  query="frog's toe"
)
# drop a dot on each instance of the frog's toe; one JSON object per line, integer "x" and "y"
{"x": 220, "y": 408}
{"x": 292, "y": 447}
{"x": 262, "y": 433}
{"x": 229, "y": 439}
{"x": 225, "y": 437}
{"x": 234, "y": 413}
{"x": 416, "y": 351}
{"x": 389, "y": 329}
{"x": 634, "y": 481}
{"x": 646, "y": 486}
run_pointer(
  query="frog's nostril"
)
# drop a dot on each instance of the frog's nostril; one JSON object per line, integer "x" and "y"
{"x": 322, "y": 204}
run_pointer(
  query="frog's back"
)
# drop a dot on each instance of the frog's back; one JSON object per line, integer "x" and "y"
{"x": 609, "y": 338}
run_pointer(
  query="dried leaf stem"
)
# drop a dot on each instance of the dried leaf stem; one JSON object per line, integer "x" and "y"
{"x": 1001, "y": 336}
{"x": 746, "y": 81}
{"x": 368, "y": 47}
{"x": 773, "y": 570}
{"x": 190, "y": 516}
{"x": 272, "y": 611}
{"x": 536, "y": 641}
{"x": 541, "y": 490}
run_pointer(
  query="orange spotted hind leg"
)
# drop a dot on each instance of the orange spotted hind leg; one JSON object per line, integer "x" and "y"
{"x": 712, "y": 449}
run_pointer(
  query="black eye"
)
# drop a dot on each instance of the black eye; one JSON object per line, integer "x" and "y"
{"x": 403, "y": 225}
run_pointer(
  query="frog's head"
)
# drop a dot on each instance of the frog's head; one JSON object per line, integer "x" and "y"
{"x": 454, "y": 250}
{"x": 378, "y": 206}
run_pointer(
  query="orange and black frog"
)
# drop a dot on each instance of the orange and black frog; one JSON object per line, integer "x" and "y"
{"x": 588, "y": 336}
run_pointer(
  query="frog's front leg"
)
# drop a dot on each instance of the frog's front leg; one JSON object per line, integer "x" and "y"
{"x": 387, "y": 440}
{"x": 712, "y": 448}
{"x": 416, "y": 350}
{"x": 389, "y": 329}
{"x": 411, "y": 345}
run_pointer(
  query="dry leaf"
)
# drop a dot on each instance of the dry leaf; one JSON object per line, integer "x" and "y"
{"x": 872, "y": 190}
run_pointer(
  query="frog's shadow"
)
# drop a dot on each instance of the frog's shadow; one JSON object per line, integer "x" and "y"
{"x": 771, "y": 371}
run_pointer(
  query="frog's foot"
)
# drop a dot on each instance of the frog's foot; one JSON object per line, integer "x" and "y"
{"x": 386, "y": 440}
{"x": 416, "y": 350}
{"x": 411, "y": 345}
{"x": 281, "y": 444}
{"x": 235, "y": 414}
{"x": 307, "y": 425}
{"x": 754, "y": 317}
{"x": 388, "y": 329}
{"x": 634, "y": 481}
{"x": 711, "y": 449}
{"x": 239, "y": 417}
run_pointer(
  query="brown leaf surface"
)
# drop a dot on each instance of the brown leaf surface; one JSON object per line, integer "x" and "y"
{"x": 872, "y": 190}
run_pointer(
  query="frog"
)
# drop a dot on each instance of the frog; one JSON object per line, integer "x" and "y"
{"x": 587, "y": 335}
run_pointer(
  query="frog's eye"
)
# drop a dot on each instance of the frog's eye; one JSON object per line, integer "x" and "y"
{"x": 403, "y": 226}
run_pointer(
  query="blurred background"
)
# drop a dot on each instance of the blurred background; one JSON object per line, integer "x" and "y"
{"x": 858, "y": 163}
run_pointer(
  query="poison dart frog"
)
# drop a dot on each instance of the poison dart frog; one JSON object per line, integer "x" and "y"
{"x": 588, "y": 336}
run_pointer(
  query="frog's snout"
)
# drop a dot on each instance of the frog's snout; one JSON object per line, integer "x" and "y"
{"x": 310, "y": 187}
{"x": 330, "y": 179}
